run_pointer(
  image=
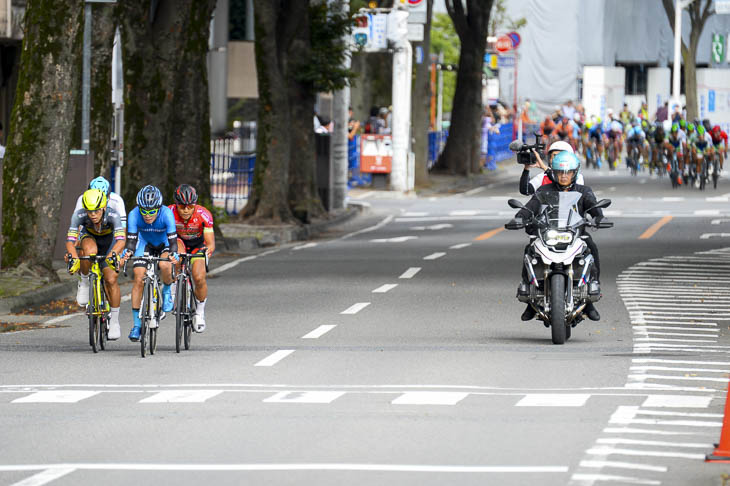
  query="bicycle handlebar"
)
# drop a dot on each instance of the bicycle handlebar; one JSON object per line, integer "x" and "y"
{"x": 146, "y": 259}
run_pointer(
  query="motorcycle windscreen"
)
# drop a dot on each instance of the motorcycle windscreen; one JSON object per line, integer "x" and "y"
{"x": 560, "y": 208}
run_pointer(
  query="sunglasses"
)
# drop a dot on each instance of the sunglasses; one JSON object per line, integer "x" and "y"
{"x": 148, "y": 212}
{"x": 186, "y": 207}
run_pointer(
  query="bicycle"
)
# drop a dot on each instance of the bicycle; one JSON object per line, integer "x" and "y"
{"x": 715, "y": 170}
{"x": 97, "y": 310}
{"x": 150, "y": 310}
{"x": 185, "y": 303}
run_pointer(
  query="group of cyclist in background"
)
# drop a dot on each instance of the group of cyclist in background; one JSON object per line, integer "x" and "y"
{"x": 689, "y": 152}
{"x": 100, "y": 226}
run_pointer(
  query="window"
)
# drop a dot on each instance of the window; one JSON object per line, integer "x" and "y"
{"x": 636, "y": 78}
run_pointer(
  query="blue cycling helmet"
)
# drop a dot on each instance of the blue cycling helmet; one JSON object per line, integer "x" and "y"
{"x": 565, "y": 162}
{"x": 149, "y": 197}
{"x": 101, "y": 184}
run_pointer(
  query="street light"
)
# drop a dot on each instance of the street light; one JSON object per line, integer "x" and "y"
{"x": 679, "y": 5}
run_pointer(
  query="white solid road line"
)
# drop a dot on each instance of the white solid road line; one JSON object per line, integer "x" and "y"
{"x": 232, "y": 264}
{"x": 306, "y": 245}
{"x": 289, "y": 467}
{"x": 632, "y": 430}
{"x": 45, "y": 477}
{"x": 355, "y": 308}
{"x": 181, "y": 396}
{"x": 606, "y": 451}
{"x": 384, "y": 288}
{"x": 385, "y": 221}
{"x": 274, "y": 358}
{"x": 434, "y": 256}
{"x": 691, "y": 445}
{"x": 319, "y": 332}
{"x": 410, "y": 272}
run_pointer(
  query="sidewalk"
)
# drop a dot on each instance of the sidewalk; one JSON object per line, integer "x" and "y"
{"x": 23, "y": 291}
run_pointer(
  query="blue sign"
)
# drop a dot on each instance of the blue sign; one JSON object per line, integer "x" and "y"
{"x": 506, "y": 61}
{"x": 419, "y": 54}
{"x": 702, "y": 106}
{"x": 711, "y": 100}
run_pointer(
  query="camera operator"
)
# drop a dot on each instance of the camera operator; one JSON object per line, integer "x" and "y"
{"x": 529, "y": 186}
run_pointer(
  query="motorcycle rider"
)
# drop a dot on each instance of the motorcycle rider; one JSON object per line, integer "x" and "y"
{"x": 565, "y": 169}
{"x": 528, "y": 185}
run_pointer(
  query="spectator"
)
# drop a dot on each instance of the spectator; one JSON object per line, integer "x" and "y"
{"x": 372, "y": 124}
{"x": 353, "y": 126}
{"x": 525, "y": 114}
{"x": 320, "y": 125}
{"x": 662, "y": 113}
{"x": 383, "y": 125}
{"x": 568, "y": 110}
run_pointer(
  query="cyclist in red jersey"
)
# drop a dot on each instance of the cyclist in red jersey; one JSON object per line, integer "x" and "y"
{"x": 194, "y": 226}
{"x": 719, "y": 138}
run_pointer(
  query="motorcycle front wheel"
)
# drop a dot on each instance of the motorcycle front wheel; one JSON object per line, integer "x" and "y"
{"x": 557, "y": 308}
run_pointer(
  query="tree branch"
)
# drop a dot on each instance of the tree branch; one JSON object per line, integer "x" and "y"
{"x": 455, "y": 8}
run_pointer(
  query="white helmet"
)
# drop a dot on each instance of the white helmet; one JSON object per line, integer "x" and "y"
{"x": 667, "y": 125}
{"x": 560, "y": 146}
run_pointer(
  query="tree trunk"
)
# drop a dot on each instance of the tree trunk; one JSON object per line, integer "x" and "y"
{"x": 304, "y": 200}
{"x": 40, "y": 131}
{"x": 166, "y": 94}
{"x": 461, "y": 154}
{"x": 102, "y": 110}
{"x": 276, "y": 24}
{"x": 421, "y": 103}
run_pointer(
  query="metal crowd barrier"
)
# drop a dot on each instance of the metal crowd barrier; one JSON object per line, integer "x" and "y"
{"x": 231, "y": 176}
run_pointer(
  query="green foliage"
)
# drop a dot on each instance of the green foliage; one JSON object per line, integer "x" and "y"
{"x": 323, "y": 70}
{"x": 500, "y": 21}
{"x": 445, "y": 40}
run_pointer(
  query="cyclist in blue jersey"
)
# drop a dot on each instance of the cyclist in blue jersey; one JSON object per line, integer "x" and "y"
{"x": 150, "y": 229}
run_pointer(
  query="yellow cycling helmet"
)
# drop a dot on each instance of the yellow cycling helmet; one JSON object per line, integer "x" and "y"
{"x": 93, "y": 200}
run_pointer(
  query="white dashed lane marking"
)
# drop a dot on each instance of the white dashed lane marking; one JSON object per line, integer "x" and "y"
{"x": 384, "y": 288}
{"x": 411, "y": 272}
{"x": 355, "y": 308}
{"x": 274, "y": 358}
{"x": 319, "y": 332}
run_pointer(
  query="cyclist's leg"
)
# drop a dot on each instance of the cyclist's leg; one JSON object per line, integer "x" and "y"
{"x": 201, "y": 293}
{"x": 88, "y": 247}
{"x": 166, "y": 274}
{"x": 137, "y": 288}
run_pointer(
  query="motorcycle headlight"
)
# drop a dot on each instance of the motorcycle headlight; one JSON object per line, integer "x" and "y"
{"x": 554, "y": 237}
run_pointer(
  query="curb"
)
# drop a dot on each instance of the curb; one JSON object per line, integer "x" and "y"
{"x": 37, "y": 296}
{"x": 273, "y": 236}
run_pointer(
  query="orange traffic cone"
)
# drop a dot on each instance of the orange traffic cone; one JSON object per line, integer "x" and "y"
{"x": 722, "y": 450}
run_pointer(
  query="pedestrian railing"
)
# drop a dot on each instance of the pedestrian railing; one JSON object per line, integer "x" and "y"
{"x": 497, "y": 145}
{"x": 231, "y": 176}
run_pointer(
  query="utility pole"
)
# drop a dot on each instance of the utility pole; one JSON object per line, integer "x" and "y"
{"x": 679, "y": 6}
{"x": 338, "y": 142}
{"x": 402, "y": 59}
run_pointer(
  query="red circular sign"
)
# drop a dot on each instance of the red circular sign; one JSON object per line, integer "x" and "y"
{"x": 504, "y": 44}
{"x": 414, "y": 3}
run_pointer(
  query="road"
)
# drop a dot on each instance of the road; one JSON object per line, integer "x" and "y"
{"x": 391, "y": 351}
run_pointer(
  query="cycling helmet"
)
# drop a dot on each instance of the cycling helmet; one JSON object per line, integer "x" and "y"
{"x": 717, "y": 129}
{"x": 644, "y": 124}
{"x": 185, "y": 194}
{"x": 690, "y": 127}
{"x": 560, "y": 146}
{"x": 565, "y": 162}
{"x": 598, "y": 119}
{"x": 101, "y": 184}
{"x": 682, "y": 124}
{"x": 589, "y": 125}
{"x": 700, "y": 130}
{"x": 675, "y": 128}
{"x": 93, "y": 200}
{"x": 149, "y": 197}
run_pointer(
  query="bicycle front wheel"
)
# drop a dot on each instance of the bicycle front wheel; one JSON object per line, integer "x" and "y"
{"x": 180, "y": 311}
{"x": 93, "y": 325}
{"x": 146, "y": 312}
{"x": 188, "y": 323}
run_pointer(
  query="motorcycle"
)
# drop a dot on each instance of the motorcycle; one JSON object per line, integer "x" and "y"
{"x": 558, "y": 262}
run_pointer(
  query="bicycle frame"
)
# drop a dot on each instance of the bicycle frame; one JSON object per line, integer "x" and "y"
{"x": 150, "y": 309}
{"x": 184, "y": 299}
{"x": 97, "y": 310}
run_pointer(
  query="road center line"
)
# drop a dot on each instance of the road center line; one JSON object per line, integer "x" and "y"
{"x": 434, "y": 256}
{"x": 459, "y": 246}
{"x": 319, "y": 332}
{"x": 489, "y": 234}
{"x": 384, "y": 288}
{"x": 293, "y": 467}
{"x": 274, "y": 358}
{"x": 355, "y": 308}
{"x": 410, "y": 272}
{"x": 651, "y": 231}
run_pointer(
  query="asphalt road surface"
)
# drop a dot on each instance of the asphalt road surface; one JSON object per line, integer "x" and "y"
{"x": 391, "y": 352}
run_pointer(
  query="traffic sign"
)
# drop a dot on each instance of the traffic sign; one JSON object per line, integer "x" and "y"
{"x": 516, "y": 39}
{"x": 718, "y": 48}
{"x": 504, "y": 44}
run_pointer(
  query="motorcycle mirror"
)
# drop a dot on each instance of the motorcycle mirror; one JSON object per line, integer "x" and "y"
{"x": 514, "y": 203}
{"x": 602, "y": 204}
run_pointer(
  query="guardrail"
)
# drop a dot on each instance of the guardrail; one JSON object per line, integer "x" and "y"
{"x": 231, "y": 176}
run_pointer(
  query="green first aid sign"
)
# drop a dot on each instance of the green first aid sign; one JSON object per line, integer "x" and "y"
{"x": 718, "y": 48}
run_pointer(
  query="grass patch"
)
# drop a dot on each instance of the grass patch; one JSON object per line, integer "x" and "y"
{"x": 26, "y": 326}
